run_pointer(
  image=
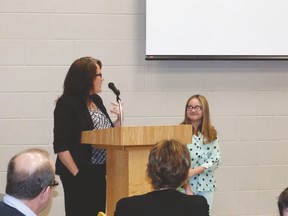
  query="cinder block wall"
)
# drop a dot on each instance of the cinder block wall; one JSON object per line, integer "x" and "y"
{"x": 40, "y": 39}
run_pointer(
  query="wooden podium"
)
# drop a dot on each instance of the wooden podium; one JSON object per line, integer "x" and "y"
{"x": 127, "y": 156}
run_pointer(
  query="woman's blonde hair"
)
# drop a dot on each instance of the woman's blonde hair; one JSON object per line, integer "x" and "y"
{"x": 206, "y": 128}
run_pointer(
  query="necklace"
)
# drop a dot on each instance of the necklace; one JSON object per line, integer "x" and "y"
{"x": 166, "y": 188}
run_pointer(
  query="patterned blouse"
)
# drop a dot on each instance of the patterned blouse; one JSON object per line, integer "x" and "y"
{"x": 100, "y": 121}
{"x": 208, "y": 156}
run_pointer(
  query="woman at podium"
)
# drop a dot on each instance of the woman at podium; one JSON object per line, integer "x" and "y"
{"x": 82, "y": 168}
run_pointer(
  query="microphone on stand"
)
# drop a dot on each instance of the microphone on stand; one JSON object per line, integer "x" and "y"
{"x": 117, "y": 93}
{"x": 114, "y": 89}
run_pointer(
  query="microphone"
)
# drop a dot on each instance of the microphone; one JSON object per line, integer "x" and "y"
{"x": 114, "y": 89}
{"x": 117, "y": 93}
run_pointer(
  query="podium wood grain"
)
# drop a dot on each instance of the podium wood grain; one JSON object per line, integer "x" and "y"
{"x": 127, "y": 155}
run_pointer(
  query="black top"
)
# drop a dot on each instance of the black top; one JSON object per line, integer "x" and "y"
{"x": 163, "y": 203}
{"x": 6, "y": 210}
{"x": 71, "y": 117}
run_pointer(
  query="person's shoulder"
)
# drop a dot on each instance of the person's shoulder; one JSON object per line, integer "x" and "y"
{"x": 197, "y": 200}
{"x": 129, "y": 205}
{"x": 197, "y": 197}
{"x": 132, "y": 199}
{"x": 196, "y": 203}
{"x": 68, "y": 99}
{"x": 95, "y": 97}
{"x": 138, "y": 201}
{"x": 68, "y": 103}
{"x": 6, "y": 210}
{"x": 97, "y": 100}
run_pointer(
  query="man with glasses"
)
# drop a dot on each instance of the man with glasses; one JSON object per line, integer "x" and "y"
{"x": 30, "y": 180}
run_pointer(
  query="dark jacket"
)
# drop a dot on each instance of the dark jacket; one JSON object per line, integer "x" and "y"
{"x": 71, "y": 117}
{"x": 163, "y": 203}
{"x": 6, "y": 210}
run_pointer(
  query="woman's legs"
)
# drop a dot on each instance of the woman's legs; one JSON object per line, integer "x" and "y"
{"x": 85, "y": 193}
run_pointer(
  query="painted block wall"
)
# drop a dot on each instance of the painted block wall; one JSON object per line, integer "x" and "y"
{"x": 248, "y": 99}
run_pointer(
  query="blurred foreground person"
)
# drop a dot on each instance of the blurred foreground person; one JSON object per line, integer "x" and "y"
{"x": 283, "y": 203}
{"x": 30, "y": 180}
{"x": 168, "y": 167}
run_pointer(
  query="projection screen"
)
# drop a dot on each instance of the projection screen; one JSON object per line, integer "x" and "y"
{"x": 216, "y": 29}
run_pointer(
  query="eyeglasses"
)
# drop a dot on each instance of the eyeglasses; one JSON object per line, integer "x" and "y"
{"x": 54, "y": 183}
{"x": 100, "y": 75}
{"x": 197, "y": 108}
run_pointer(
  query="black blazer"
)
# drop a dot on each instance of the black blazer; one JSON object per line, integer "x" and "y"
{"x": 163, "y": 203}
{"x": 6, "y": 210}
{"x": 71, "y": 117}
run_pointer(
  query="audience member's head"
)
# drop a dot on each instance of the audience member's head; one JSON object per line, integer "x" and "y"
{"x": 283, "y": 203}
{"x": 30, "y": 178}
{"x": 168, "y": 164}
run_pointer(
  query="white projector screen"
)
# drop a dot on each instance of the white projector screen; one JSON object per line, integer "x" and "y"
{"x": 216, "y": 29}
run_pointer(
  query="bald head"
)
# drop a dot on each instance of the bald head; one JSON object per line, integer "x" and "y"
{"x": 29, "y": 172}
{"x": 32, "y": 160}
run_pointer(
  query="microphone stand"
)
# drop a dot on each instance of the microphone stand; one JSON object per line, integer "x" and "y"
{"x": 120, "y": 108}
